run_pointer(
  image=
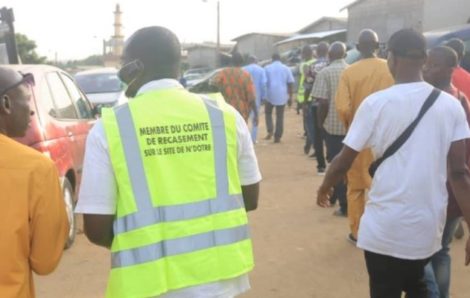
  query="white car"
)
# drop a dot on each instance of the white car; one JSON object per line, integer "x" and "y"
{"x": 102, "y": 87}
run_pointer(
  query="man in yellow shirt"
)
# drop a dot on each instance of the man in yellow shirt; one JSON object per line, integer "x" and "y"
{"x": 33, "y": 222}
{"x": 367, "y": 76}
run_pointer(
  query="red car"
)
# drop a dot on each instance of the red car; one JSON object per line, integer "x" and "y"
{"x": 62, "y": 118}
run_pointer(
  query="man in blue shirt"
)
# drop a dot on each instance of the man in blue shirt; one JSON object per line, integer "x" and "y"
{"x": 258, "y": 75}
{"x": 280, "y": 92}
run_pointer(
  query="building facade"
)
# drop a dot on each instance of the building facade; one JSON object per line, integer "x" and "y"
{"x": 262, "y": 45}
{"x": 206, "y": 55}
{"x": 388, "y": 16}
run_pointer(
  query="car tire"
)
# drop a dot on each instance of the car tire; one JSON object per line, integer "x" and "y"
{"x": 69, "y": 208}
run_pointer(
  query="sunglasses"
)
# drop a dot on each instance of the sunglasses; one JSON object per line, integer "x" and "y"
{"x": 26, "y": 78}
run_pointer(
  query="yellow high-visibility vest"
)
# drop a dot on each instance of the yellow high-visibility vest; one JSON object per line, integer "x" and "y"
{"x": 300, "y": 88}
{"x": 180, "y": 218}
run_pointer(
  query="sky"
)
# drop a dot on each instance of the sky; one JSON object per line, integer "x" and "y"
{"x": 75, "y": 29}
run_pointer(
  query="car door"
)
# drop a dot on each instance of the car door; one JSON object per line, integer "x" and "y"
{"x": 65, "y": 119}
{"x": 83, "y": 122}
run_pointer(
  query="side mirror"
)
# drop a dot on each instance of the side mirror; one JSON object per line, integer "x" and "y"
{"x": 97, "y": 110}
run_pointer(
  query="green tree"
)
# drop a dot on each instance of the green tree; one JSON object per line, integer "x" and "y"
{"x": 92, "y": 60}
{"x": 27, "y": 50}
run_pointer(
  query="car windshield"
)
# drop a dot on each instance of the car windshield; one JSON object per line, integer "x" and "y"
{"x": 99, "y": 83}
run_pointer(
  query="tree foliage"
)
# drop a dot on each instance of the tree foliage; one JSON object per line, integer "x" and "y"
{"x": 27, "y": 50}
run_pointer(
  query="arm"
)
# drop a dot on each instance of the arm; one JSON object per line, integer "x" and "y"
{"x": 307, "y": 85}
{"x": 290, "y": 86}
{"x": 251, "y": 97}
{"x": 343, "y": 101}
{"x": 98, "y": 190}
{"x": 290, "y": 91}
{"x": 459, "y": 178}
{"x": 99, "y": 229}
{"x": 247, "y": 163}
{"x": 335, "y": 174}
{"x": 264, "y": 89}
{"x": 49, "y": 224}
{"x": 322, "y": 111}
{"x": 357, "y": 139}
{"x": 250, "y": 196}
{"x": 321, "y": 94}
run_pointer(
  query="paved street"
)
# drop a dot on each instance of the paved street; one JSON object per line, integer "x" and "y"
{"x": 301, "y": 250}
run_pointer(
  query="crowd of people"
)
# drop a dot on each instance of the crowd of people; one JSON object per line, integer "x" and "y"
{"x": 397, "y": 140}
{"x": 377, "y": 110}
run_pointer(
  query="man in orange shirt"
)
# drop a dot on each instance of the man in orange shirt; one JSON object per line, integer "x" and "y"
{"x": 460, "y": 77}
{"x": 358, "y": 81}
{"x": 34, "y": 224}
{"x": 237, "y": 87}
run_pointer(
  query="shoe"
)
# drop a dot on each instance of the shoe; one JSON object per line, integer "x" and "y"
{"x": 459, "y": 232}
{"x": 306, "y": 149}
{"x": 321, "y": 172}
{"x": 313, "y": 155}
{"x": 340, "y": 213}
{"x": 277, "y": 141}
{"x": 351, "y": 239}
{"x": 269, "y": 136}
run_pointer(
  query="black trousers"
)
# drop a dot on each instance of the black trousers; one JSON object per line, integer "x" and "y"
{"x": 318, "y": 139}
{"x": 334, "y": 145}
{"x": 279, "y": 120}
{"x": 389, "y": 277}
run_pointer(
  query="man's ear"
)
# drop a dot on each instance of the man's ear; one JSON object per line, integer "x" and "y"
{"x": 5, "y": 104}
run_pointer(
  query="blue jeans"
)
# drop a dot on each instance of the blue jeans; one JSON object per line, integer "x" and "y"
{"x": 308, "y": 124}
{"x": 254, "y": 128}
{"x": 437, "y": 272}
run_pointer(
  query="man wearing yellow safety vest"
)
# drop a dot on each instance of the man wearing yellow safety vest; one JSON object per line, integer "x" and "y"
{"x": 168, "y": 179}
{"x": 303, "y": 91}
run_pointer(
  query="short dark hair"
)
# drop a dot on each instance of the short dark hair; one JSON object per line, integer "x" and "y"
{"x": 237, "y": 59}
{"x": 156, "y": 47}
{"x": 276, "y": 57}
{"x": 408, "y": 43}
{"x": 457, "y": 45}
{"x": 449, "y": 55}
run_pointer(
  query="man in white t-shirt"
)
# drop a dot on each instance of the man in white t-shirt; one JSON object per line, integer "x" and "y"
{"x": 158, "y": 51}
{"x": 404, "y": 218}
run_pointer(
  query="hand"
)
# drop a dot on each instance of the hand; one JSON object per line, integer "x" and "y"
{"x": 289, "y": 102}
{"x": 323, "y": 197}
{"x": 467, "y": 254}
{"x": 255, "y": 120}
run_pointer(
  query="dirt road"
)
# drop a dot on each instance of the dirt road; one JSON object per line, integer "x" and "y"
{"x": 301, "y": 250}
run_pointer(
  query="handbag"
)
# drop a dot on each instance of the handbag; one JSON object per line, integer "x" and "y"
{"x": 406, "y": 134}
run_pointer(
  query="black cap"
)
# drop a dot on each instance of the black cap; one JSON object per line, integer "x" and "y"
{"x": 408, "y": 43}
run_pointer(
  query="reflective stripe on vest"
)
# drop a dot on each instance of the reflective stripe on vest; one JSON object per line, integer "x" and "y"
{"x": 148, "y": 214}
{"x": 179, "y": 246}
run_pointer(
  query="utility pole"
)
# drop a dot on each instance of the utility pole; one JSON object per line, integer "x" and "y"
{"x": 7, "y": 17}
{"x": 217, "y": 62}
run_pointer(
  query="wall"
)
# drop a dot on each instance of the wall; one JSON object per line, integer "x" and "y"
{"x": 262, "y": 46}
{"x": 202, "y": 57}
{"x": 439, "y": 15}
{"x": 385, "y": 17}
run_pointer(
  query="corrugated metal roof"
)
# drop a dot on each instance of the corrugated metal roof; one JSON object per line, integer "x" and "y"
{"x": 317, "y": 35}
